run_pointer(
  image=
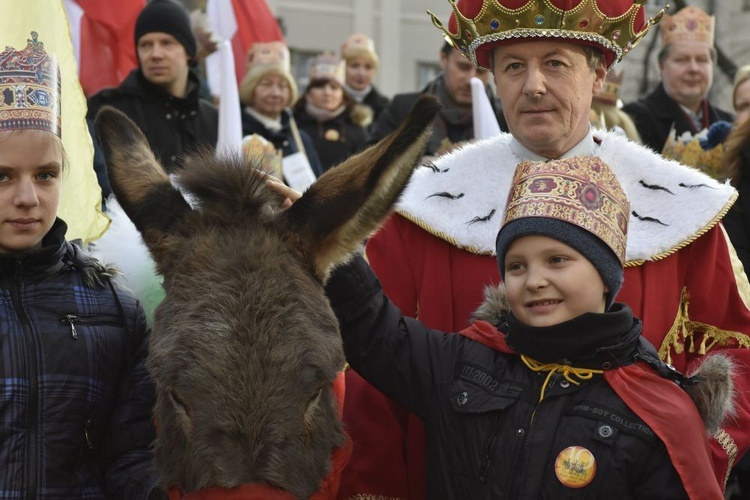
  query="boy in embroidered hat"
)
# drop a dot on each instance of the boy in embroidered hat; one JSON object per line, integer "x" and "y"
{"x": 556, "y": 395}
{"x": 437, "y": 252}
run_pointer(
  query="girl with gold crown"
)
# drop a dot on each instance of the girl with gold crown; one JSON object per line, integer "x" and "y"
{"x": 76, "y": 399}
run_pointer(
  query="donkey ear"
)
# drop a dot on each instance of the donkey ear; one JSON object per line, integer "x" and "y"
{"x": 350, "y": 201}
{"x": 140, "y": 183}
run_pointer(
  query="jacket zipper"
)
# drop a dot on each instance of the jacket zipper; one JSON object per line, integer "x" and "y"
{"x": 72, "y": 319}
{"x": 32, "y": 445}
{"x": 518, "y": 485}
{"x": 489, "y": 448}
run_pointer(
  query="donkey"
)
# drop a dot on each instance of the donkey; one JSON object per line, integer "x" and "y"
{"x": 245, "y": 345}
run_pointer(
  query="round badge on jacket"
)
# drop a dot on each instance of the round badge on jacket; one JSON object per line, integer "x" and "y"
{"x": 575, "y": 467}
{"x": 332, "y": 134}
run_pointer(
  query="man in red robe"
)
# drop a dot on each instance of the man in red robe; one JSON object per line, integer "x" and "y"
{"x": 435, "y": 256}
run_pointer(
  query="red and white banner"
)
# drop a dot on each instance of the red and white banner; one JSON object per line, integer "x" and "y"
{"x": 242, "y": 22}
{"x": 102, "y": 33}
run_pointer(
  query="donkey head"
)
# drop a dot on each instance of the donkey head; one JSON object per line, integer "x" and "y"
{"x": 245, "y": 344}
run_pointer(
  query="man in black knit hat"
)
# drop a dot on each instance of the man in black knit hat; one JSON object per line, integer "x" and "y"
{"x": 162, "y": 95}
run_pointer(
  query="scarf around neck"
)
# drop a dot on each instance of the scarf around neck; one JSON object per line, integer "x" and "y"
{"x": 451, "y": 115}
{"x": 578, "y": 340}
{"x": 357, "y": 95}
{"x": 272, "y": 124}
{"x": 323, "y": 115}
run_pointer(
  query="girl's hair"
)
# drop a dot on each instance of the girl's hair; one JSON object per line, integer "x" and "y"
{"x": 58, "y": 142}
{"x": 737, "y": 141}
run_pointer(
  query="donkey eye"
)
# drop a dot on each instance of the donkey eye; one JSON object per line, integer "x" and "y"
{"x": 315, "y": 397}
{"x": 179, "y": 403}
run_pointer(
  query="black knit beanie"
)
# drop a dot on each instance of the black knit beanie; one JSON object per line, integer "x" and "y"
{"x": 587, "y": 244}
{"x": 166, "y": 16}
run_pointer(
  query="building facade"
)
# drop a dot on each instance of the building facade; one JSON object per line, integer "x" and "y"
{"x": 408, "y": 44}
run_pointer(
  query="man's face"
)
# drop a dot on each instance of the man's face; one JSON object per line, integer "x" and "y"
{"x": 546, "y": 89}
{"x": 688, "y": 72}
{"x": 457, "y": 74}
{"x": 164, "y": 61}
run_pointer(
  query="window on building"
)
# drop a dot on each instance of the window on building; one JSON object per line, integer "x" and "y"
{"x": 656, "y": 5}
{"x": 745, "y": 5}
{"x": 426, "y": 71}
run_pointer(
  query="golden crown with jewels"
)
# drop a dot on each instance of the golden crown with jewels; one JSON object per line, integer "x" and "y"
{"x": 688, "y": 24}
{"x": 477, "y": 26}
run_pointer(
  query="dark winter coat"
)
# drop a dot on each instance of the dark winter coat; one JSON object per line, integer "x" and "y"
{"x": 76, "y": 400}
{"x": 283, "y": 140}
{"x": 173, "y": 126}
{"x": 483, "y": 419}
{"x": 656, "y": 113}
{"x": 737, "y": 220}
{"x": 336, "y": 139}
{"x": 395, "y": 114}
{"x": 377, "y": 102}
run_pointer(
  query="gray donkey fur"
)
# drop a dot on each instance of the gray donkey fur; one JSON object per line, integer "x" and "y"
{"x": 245, "y": 345}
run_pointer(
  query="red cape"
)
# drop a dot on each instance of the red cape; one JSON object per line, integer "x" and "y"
{"x": 664, "y": 406}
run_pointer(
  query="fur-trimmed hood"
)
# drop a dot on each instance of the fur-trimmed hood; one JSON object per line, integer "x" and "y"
{"x": 710, "y": 385}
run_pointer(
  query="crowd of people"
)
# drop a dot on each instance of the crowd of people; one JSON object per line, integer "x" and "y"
{"x": 596, "y": 286}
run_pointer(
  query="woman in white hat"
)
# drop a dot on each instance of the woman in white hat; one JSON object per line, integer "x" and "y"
{"x": 358, "y": 53}
{"x": 266, "y": 92}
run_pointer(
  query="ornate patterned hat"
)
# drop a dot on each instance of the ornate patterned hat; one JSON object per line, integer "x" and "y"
{"x": 688, "y": 24}
{"x": 704, "y": 150}
{"x": 582, "y": 191}
{"x": 359, "y": 45}
{"x": 270, "y": 53}
{"x": 477, "y": 26}
{"x": 29, "y": 89}
{"x": 327, "y": 66}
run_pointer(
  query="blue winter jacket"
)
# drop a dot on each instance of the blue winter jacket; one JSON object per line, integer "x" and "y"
{"x": 75, "y": 397}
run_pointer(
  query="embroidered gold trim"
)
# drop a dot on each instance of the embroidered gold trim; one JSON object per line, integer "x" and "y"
{"x": 631, "y": 263}
{"x": 730, "y": 447}
{"x": 683, "y": 329}
{"x": 740, "y": 276}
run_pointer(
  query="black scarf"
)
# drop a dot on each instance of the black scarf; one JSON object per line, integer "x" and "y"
{"x": 451, "y": 120}
{"x": 587, "y": 341}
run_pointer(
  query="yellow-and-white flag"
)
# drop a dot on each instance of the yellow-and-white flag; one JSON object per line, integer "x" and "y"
{"x": 80, "y": 205}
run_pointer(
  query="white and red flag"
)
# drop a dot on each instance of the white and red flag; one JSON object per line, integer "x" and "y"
{"x": 102, "y": 33}
{"x": 242, "y": 23}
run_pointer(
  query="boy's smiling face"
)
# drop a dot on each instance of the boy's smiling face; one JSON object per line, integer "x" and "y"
{"x": 549, "y": 282}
